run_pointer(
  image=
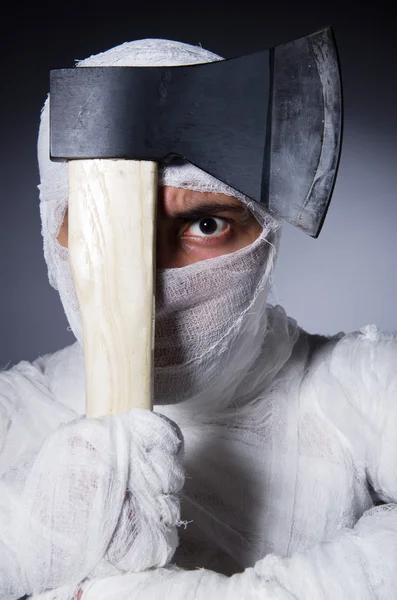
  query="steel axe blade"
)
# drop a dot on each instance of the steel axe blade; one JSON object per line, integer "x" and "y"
{"x": 268, "y": 124}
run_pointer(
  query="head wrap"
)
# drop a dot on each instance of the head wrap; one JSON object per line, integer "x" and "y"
{"x": 210, "y": 317}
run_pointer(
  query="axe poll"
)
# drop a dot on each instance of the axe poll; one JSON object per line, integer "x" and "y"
{"x": 268, "y": 124}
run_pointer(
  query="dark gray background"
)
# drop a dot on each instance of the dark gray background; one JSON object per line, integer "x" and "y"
{"x": 345, "y": 279}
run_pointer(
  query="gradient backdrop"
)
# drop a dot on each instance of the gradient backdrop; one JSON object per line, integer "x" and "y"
{"x": 342, "y": 281}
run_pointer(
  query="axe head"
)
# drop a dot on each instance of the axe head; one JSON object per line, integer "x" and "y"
{"x": 267, "y": 124}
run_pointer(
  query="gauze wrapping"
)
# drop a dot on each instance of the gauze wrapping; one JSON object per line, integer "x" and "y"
{"x": 283, "y": 433}
{"x": 101, "y": 497}
{"x": 200, "y": 308}
{"x": 210, "y": 322}
{"x": 359, "y": 564}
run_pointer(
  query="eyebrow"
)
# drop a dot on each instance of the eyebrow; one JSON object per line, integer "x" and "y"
{"x": 206, "y": 209}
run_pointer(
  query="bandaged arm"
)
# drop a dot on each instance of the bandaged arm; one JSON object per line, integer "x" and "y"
{"x": 28, "y": 414}
{"x": 81, "y": 498}
{"x": 356, "y": 564}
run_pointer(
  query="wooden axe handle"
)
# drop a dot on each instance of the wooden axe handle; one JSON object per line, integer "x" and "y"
{"x": 112, "y": 220}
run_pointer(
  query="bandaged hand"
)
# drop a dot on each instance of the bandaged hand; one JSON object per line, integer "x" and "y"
{"x": 101, "y": 499}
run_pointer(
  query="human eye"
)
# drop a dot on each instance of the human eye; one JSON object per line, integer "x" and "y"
{"x": 208, "y": 227}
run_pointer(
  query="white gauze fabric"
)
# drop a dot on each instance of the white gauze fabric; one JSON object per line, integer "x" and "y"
{"x": 199, "y": 308}
{"x": 99, "y": 497}
{"x": 282, "y": 432}
{"x": 210, "y": 321}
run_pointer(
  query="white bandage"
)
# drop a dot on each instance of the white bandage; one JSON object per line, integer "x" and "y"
{"x": 101, "y": 498}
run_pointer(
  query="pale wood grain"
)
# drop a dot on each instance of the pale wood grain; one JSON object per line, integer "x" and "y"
{"x": 112, "y": 217}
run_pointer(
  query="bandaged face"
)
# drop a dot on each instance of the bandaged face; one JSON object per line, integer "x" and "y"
{"x": 195, "y": 226}
{"x": 215, "y": 254}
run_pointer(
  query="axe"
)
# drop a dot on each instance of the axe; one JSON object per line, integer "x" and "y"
{"x": 267, "y": 124}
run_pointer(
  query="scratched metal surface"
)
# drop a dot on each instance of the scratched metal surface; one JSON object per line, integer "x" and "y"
{"x": 306, "y": 129}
